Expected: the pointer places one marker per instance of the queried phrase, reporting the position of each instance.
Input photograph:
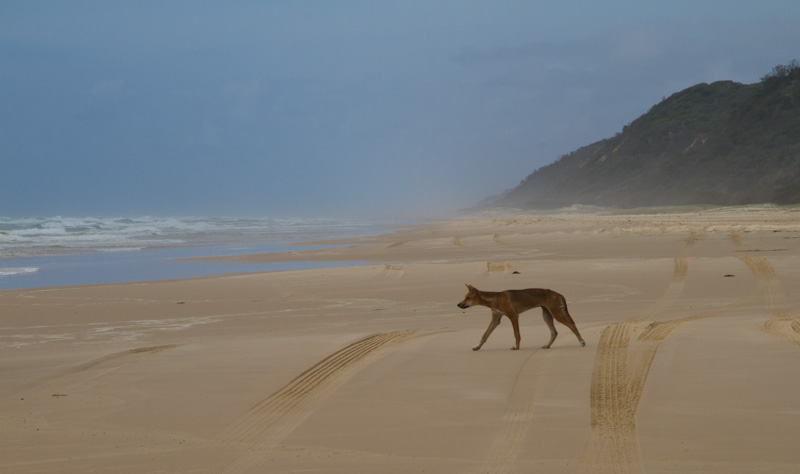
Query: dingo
(513, 302)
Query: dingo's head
(470, 299)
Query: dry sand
(692, 323)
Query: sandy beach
(691, 321)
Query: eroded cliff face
(722, 143)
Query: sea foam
(58, 251)
(10, 271)
(36, 236)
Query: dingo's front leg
(514, 317)
(496, 316)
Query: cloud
(347, 105)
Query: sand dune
(692, 325)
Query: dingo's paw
(583, 343)
(515, 348)
(476, 348)
(545, 347)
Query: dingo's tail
(562, 302)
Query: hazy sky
(350, 108)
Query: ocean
(59, 251)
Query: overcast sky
(341, 108)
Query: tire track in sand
(736, 240)
(783, 324)
(517, 418)
(622, 365)
(613, 447)
(497, 240)
(618, 382)
(76, 377)
(690, 242)
(270, 421)
(118, 355)
(493, 267)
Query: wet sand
(692, 324)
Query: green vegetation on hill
(723, 143)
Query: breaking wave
(35, 236)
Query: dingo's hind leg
(548, 319)
(563, 317)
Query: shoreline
(146, 265)
(690, 324)
(376, 248)
(25, 272)
(58, 251)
